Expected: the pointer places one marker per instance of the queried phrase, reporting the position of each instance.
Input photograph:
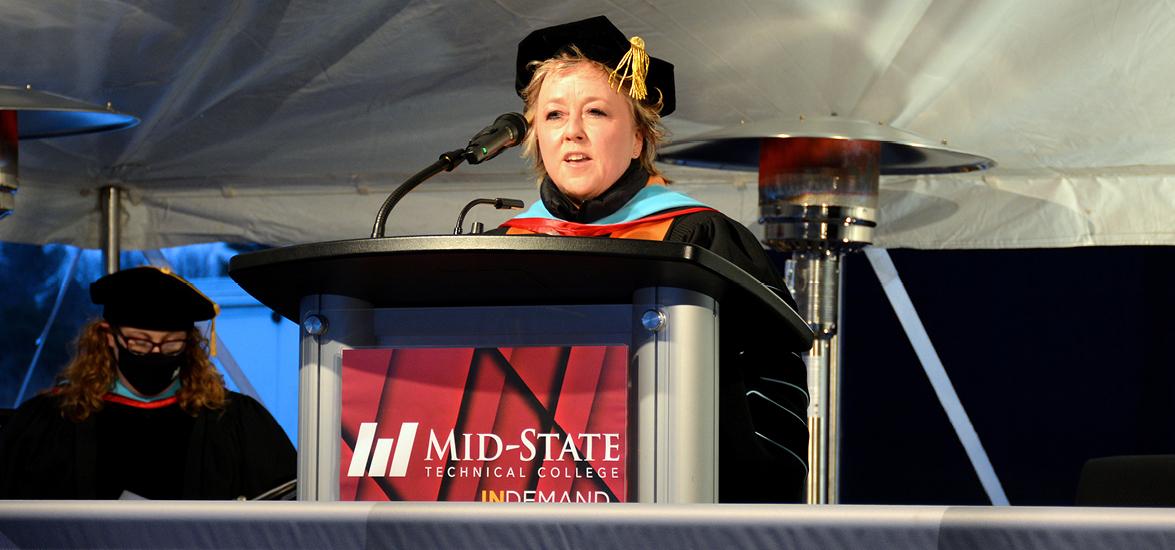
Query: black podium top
(493, 270)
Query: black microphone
(504, 133)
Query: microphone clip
(499, 203)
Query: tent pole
(44, 336)
(895, 291)
(109, 198)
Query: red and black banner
(521, 424)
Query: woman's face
(153, 357)
(586, 132)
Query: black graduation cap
(601, 41)
(150, 298)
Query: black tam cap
(150, 298)
(601, 41)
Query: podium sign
(519, 424)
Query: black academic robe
(158, 453)
(763, 398)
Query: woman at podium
(141, 412)
(593, 100)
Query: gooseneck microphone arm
(447, 163)
(506, 131)
(499, 203)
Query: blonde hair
(91, 373)
(647, 118)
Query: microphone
(499, 203)
(506, 132)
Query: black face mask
(149, 374)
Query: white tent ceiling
(284, 122)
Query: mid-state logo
(391, 455)
(383, 450)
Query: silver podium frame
(673, 381)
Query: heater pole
(816, 286)
(818, 198)
(9, 155)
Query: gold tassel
(634, 66)
(212, 335)
(215, 309)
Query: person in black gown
(593, 101)
(141, 412)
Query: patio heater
(818, 193)
(31, 114)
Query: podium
(606, 349)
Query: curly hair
(647, 118)
(91, 373)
